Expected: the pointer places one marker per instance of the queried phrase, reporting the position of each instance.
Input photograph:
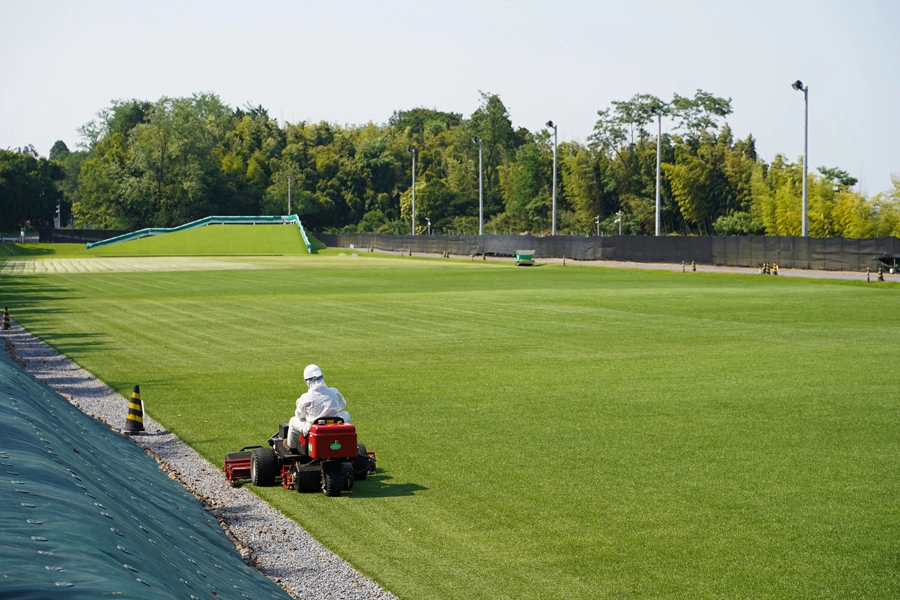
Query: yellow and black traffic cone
(134, 421)
(6, 317)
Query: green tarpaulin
(86, 514)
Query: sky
(354, 62)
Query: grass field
(547, 432)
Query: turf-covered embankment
(214, 240)
(86, 514)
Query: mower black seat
(282, 451)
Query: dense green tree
(525, 185)
(697, 115)
(415, 121)
(101, 203)
(588, 185)
(838, 177)
(739, 223)
(491, 123)
(29, 190)
(174, 160)
(247, 158)
(173, 170)
(71, 163)
(886, 207)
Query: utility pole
(413, 152)
(553, 222)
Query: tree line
(164, 163)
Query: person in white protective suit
(318, 401)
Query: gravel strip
(267, 540)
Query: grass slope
(213, 240)
(555, 432)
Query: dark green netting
(86, 514)
(834, 254)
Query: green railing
(260, 220)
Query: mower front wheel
(262, 467)
(306, 481)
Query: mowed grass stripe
(543, 433)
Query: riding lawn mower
(328, 458)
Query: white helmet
(312, 372)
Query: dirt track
(213, 263)
(610, 264)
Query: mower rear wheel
(360, 463)
(332, 479)
(262, 467)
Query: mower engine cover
(332, 441)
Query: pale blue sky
(352, 62)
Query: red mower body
(331, 441)
(237, 466)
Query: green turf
(213, 239)
(549, 432)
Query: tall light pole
(553, 224)
(798, 85)
(289, 194)
(478, 141)
(413, 152)
(656, 111)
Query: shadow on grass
(374, 486)
(16, 249)
(26, 296)
(76, 344)
(381, 485)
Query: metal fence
(832, 254)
